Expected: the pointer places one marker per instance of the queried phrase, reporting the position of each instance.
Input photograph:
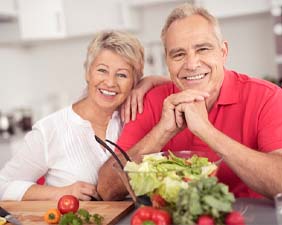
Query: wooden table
(32, 212)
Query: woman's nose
(110, 80)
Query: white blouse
(61, 147)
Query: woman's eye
(102, 70)
(122, 75)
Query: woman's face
(110, 80)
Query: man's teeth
(105, 92)
(196, 77)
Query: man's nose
(191, 62)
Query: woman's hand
(134, 102)
(82, 190)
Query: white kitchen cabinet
(41, 19)
(8, 10)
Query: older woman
(62, 146)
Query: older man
(207, 107)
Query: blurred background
(43, 47)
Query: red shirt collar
(229, 92)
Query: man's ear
(224, 50)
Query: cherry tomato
(68, 203)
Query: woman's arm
(134, 102)
(82, 190)
(18, 177)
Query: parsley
(82, 216)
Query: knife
(10, 218)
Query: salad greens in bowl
(165, 173)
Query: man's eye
(178, 56)
(122, 75)
(202, 49)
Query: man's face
(194, 55)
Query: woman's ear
(87, 76)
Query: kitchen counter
(255, 212)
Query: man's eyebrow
(175, 50)
(206, 44)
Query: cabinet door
(89, 16)
(41, 19)
(7, 10)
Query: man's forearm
(110, 186)
(153, 142)
(260, 171)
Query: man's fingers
(127, 109)
(140, 104)
(122, 112)
(187, 97)
(133, 107)
(179, 116)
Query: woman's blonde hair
(186, 10)
(121, 43)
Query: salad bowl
(165, 173)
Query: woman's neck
(99, 118)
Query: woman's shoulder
(54, 119)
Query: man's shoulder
(251, 83)
(162, 91)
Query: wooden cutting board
(32, 212)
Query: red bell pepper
(150, 215)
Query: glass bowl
(165, 173)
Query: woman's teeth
(105, 92)
(196, 77)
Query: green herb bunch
(203, 197)
(80, 217)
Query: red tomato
(68, 203)
(157, 201)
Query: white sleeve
(26, 166)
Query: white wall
(44, 77)
(251, 44)
(250, 38)
(49, 75)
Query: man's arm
(260, 171)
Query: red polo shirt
(248, 110)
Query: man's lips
(195, 77)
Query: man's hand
(172, 118)
(134, 102)
(196, 116)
